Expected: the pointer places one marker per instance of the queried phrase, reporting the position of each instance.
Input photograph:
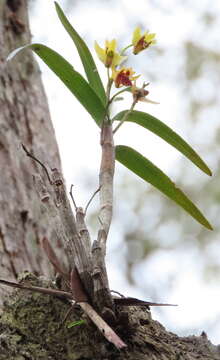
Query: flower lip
(139, 94)
(123, 77)
(142, 41)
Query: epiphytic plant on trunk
(86, 279)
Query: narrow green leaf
(75, 323)
(85, 55)
(142, 167)
(159, 128)
(71, 78)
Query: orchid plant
(88, 265)
(90, 92)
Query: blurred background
(156, 251)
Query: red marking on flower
(123, 79)
(141, 45)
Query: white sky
(78, 135)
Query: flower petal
(111, 45)
(148, 101)
(118, 59)
(100, 52)
(150, 37)
(136, 35)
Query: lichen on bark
(31, 328)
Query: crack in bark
(28, 127)
(7, 252)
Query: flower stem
(125, 116)
(119, 92)
(127, 47)
(108, 92)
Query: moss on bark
(30, 328)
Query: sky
(78, 136)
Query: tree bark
(30, 323)
(31, 328)
(24, 118)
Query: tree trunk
(30, 323)
(24, 118)
(31, 328)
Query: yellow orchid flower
(108, 55)
(139, 94)
(142, 41)
(123, 77)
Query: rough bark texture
(24, 118)
(30, 328)
(30, 323)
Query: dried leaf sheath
(83, 231)
(64, 225)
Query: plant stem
(125, 116)
(102, 296)
(118, 93)
(108, 92)
(127, 47)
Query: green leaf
(159, 128)
(142, 167)
(75, 323)
(71, 78)
(85, 55)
